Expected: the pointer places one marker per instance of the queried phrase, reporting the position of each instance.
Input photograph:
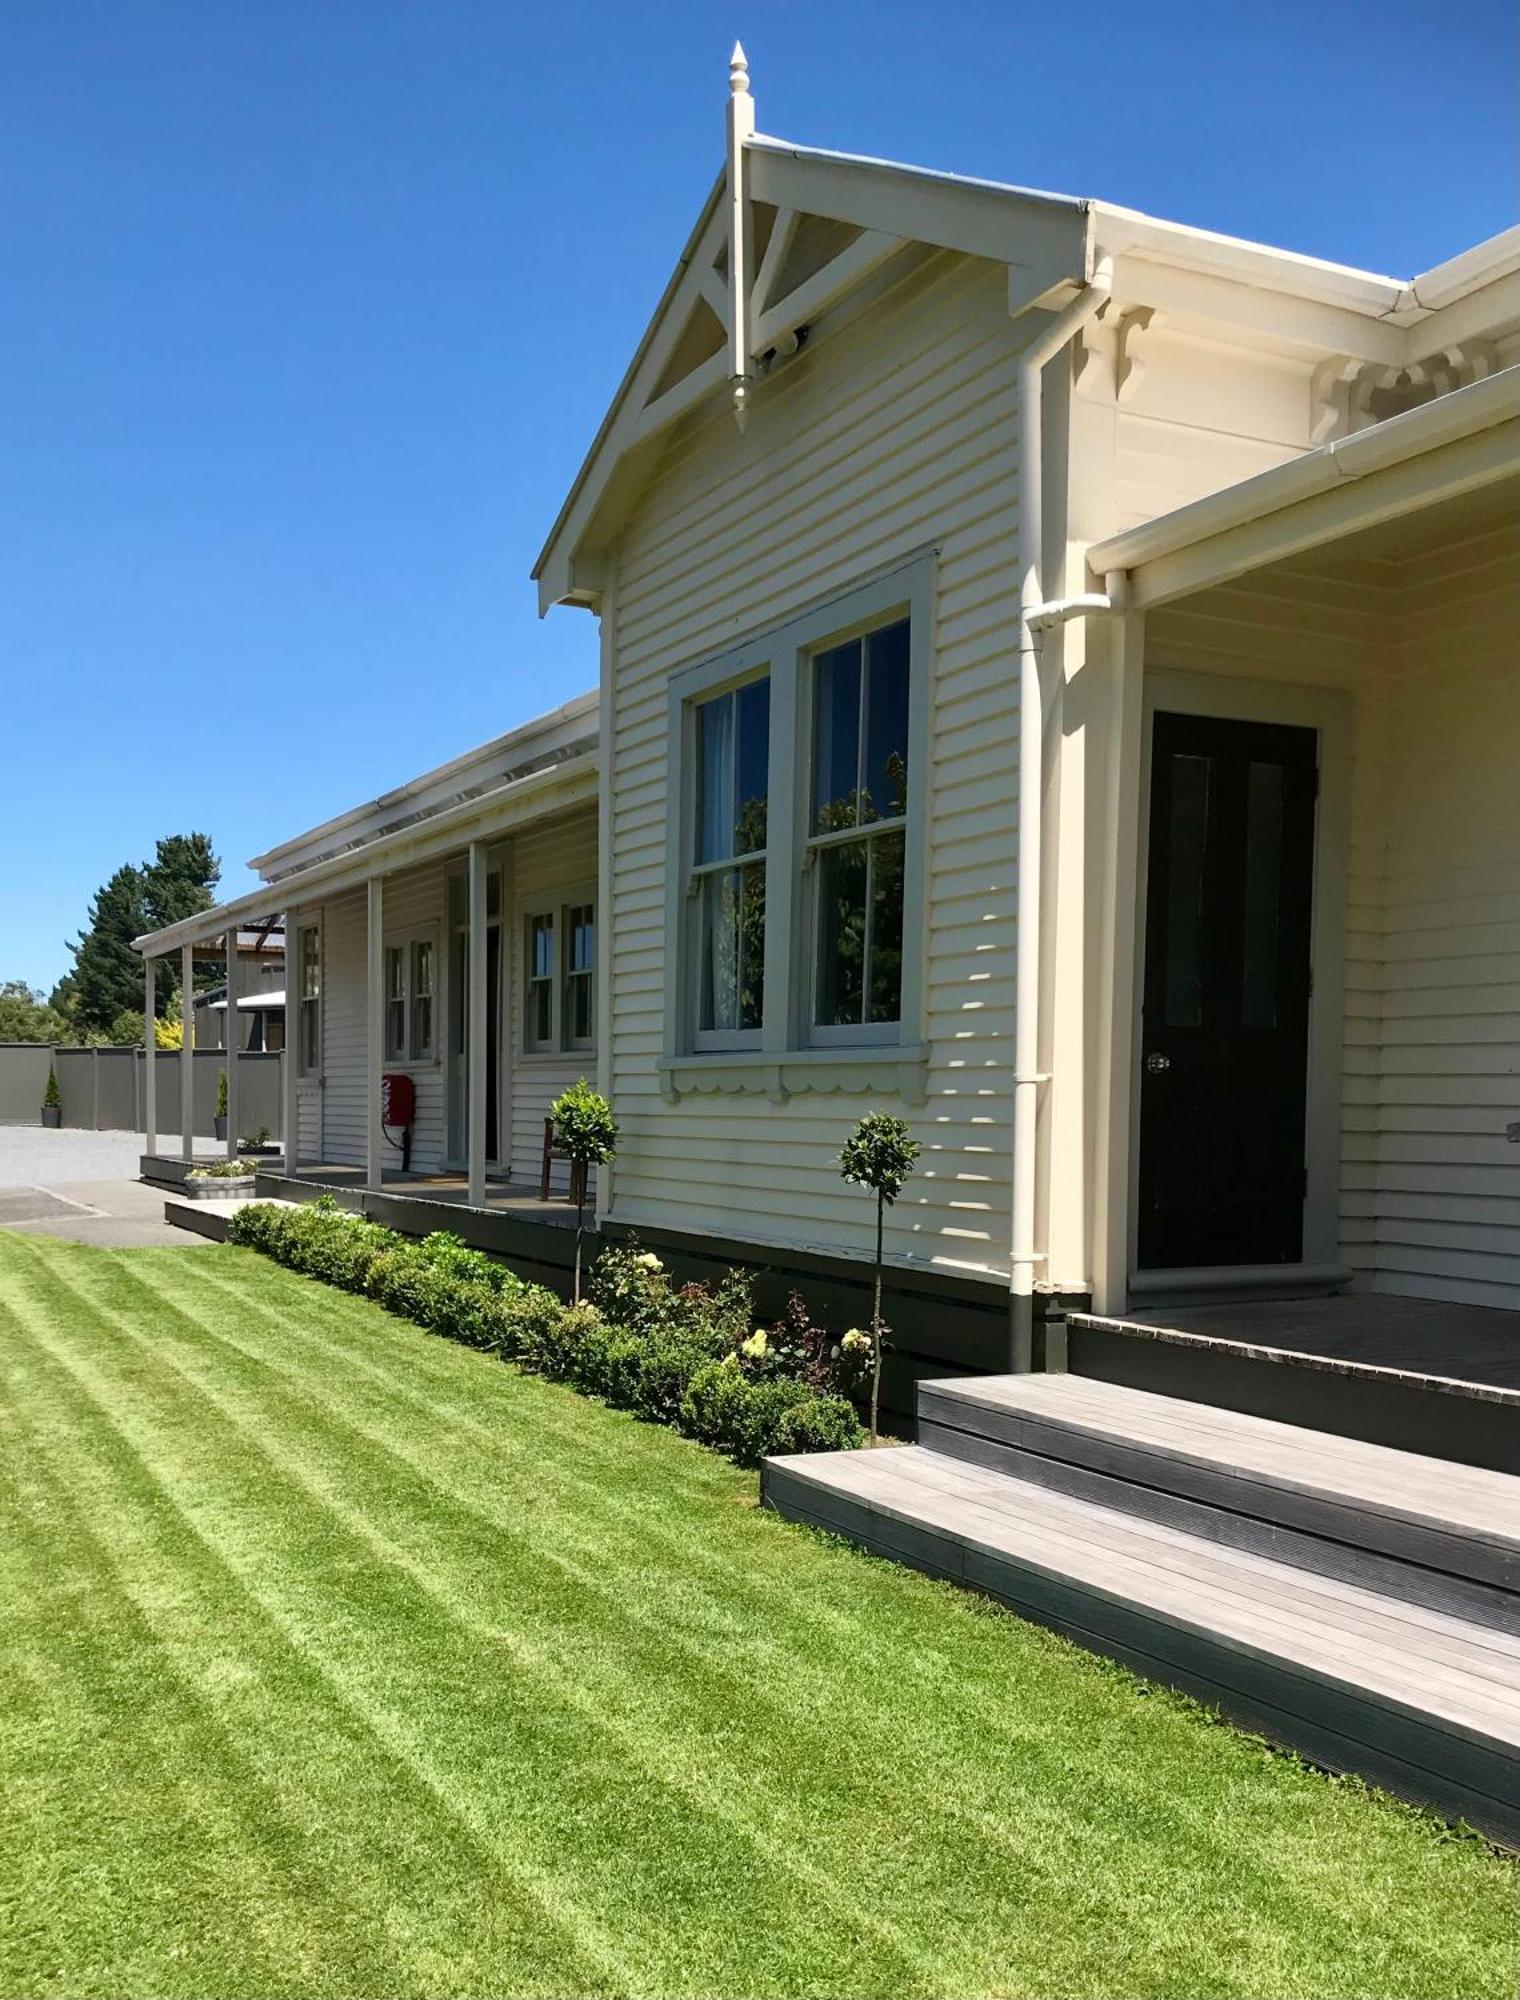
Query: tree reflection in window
(858, 825)
(733, 756)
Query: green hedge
(683, 1356)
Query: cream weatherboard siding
(547, 868)
(550, 864)
(414, 906)
(344, 1131)
(1427, 650)
(894, 436)
(1446, 1187)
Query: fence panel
(103, 1090)
(23, 1080)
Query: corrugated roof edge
(522, 738)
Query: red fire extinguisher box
(398, 1100)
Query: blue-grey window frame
(787, 652)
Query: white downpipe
(1026, 1026)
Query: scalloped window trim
(889, 1067)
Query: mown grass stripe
(454, 1533)
(1163, 1807)
(1113, 1915)
(105, 1435)
(1176, 1811)
(998, 1850)
(83, 1653)
(590, 1573)
(768, 1864)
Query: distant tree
(26, 1017)
(108, 974)
(179, 882)
(107, 978)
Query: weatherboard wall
(892, 437)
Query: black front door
(1224, 1048)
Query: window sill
(893, 1068)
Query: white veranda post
(187, 1049)
(150, 1055)
(233, 1039)
(476, 1051)
(374, 1015)
(290, 1059)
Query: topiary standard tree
(588, 1132)
(878, 1154)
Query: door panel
(1224, 1050)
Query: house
(260, 1005)
(1058, 680)
(443, 935)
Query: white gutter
(1447, 419)
(441, 786)
(1026, 1023)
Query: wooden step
(1420, 1701)
(208, 1216)
(1447, 1535)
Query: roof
(252, 1003)
(1459, 443)
(548, 765)
(567, 731)
(1315, 303)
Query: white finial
(738, 71)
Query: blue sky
(308, 313)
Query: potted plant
(220, 1180)
(586, 1129)
(52, 1102)
(879, 1155)
(219, 1116)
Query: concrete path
(83, 1185)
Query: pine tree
(180, 880)
(107, 975)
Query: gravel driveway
(31, 1157)
(98, 1197)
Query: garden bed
(690, 1356)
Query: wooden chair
(553, 1150)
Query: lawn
(340, 1660)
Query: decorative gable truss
(758, 276)
(786, 237)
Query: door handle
(1156, 1064)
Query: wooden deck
(1424, 1337)
(453, 1190)
(1357, 1603)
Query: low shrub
(682, 1356)
(632, 1289)
(450, 1253)
(822, 1423)
(752, 1419)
